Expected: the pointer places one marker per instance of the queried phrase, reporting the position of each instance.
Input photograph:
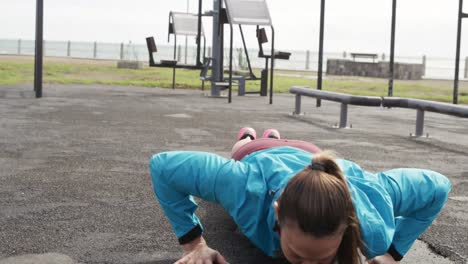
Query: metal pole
(419, 123)
(121, 51)
(392, 50)
(95, 50)
(246, 52)
(186, 38)
(424, 65)
(320, 62)
(466, 67)
(297, 110)
(174, 68)
(457, 58)
(217, 48)
(179, 54)
(19, 46)
(307, 60)
(68, 48)
(272, 63)
(199, 60)
(38, 61)
(343, 115)
(230, 63)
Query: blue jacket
(393, 207)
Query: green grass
(83, 72)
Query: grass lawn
(19, 70)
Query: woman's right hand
(384, 259)
(200, 253)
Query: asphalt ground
(75, 184)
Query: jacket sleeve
(177, 175)
(417, 196)
(373, 207)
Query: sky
(424, 27)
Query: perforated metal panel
(186, 24)
(248, 12)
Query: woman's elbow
(156, 165)
(442, 190)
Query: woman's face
(301, 248)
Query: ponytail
(319, 201)
(325, 162)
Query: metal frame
(217, 48)
(421, 106)
(321, 39)
(252, 75)
(172, 30)
(233, 21)
(38, 61)
(320, 62)
(200, 5)
(344, 99)
(266, 59)
(392, 50)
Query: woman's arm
(418, 196)
(177, 175)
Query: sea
(300, 60)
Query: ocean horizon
(436, 67)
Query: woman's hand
(384, 259)
(198, 252)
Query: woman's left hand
(384, 259)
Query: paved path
(74, 168)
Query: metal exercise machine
(180, 24)
(254, 12)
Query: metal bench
(391, 102)
(372, 56)
(424, 105)
(344, 99)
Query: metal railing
(301, 60)
(422, 106)
(391, 102)
(344, 99)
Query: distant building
(348, 67)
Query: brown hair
(319, 201)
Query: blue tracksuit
(393, 207)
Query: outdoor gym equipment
(217, 67)
(184, 24)
(254, 12)
(391, 102)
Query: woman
(292, 200)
